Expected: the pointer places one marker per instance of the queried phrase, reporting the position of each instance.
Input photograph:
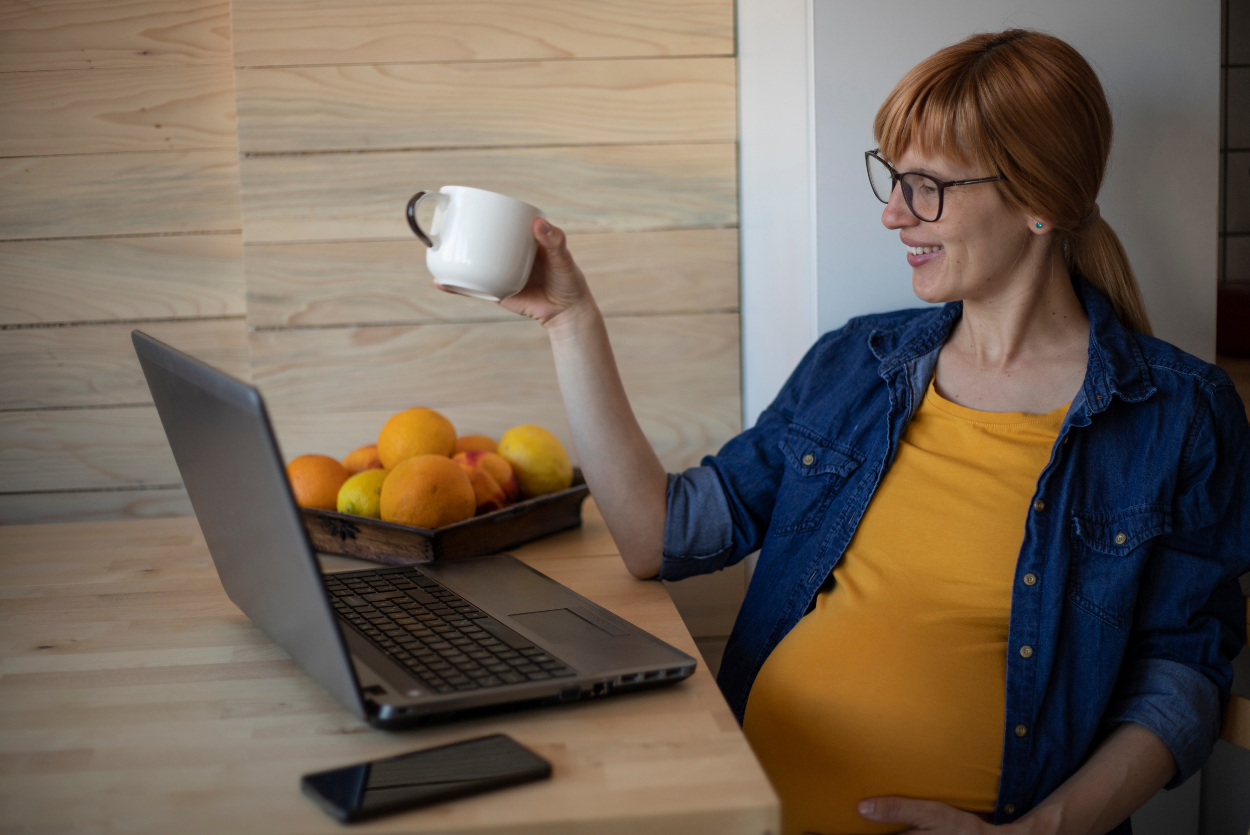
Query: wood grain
(95, 506)
(95, 365)
(135, 695)
(386, 281)
(486, 104)
(83, 448)
(286, 32)
(77, 112)
(121, 278)
(118, 194)
(452, 364)
(323, 197)
(91, 34)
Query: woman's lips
(920, 255)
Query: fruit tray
(490, 533)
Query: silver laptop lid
(224, 445)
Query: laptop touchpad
(561, 626)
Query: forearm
(625, 476)
(1130, 766)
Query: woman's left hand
(924, 816)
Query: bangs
(933, 109)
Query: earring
(1039, 224)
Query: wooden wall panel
(84, 449)
(118, 206)
(386, 282)
(485, 104)
(289, 32)
(118, 194)
(95, 365)
(356, 369)
(322, 197)
(91, 34)
(71, 112)
(93, 280)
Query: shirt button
(1026, 651)
(1010, 808)
(1021, 730)
(808, 459)
(1030, 579)
(1120, 538)
(1039, 505)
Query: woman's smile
(919, 254)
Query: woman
(998, 539)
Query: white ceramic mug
(480, 243)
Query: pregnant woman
(999, 539)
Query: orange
(495, 466)
(363, 458)
(474, 442)
(315, 481)
(428, 491)
(360, 495)
(538, 459)
(415, 432)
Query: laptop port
(630, 678)
(654, 674)
(568, 694)
(676, 671)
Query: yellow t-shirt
(895, 683)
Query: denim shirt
(1126, 582)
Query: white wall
(1159, 63)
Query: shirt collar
(1116, 365)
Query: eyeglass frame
(896, 176)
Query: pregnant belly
(860, 703)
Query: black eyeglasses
(922, 194)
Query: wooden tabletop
(135, 697)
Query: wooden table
(135, 697)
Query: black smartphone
(422, 778)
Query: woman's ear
(1038, 226)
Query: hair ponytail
(1095, 252)
(1028, 106)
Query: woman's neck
(1021, 347)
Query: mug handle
(420, 197)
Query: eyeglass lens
(921, 193)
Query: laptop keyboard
(437, 635)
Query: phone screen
(424, 777)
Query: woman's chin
(931, 289)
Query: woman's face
(972, 249)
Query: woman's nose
(896, 214)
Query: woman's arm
(1125, 771)
(628, 482)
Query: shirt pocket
(815, 470)
(1108, 552)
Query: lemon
(360, 494)
(538, 459)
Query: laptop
(397, 646)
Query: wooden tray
(373, 539)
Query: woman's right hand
(556, 289)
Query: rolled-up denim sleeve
(1181, 706)
(698, 534)
(720, 511)
(1189, 621)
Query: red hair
(1025, 105)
